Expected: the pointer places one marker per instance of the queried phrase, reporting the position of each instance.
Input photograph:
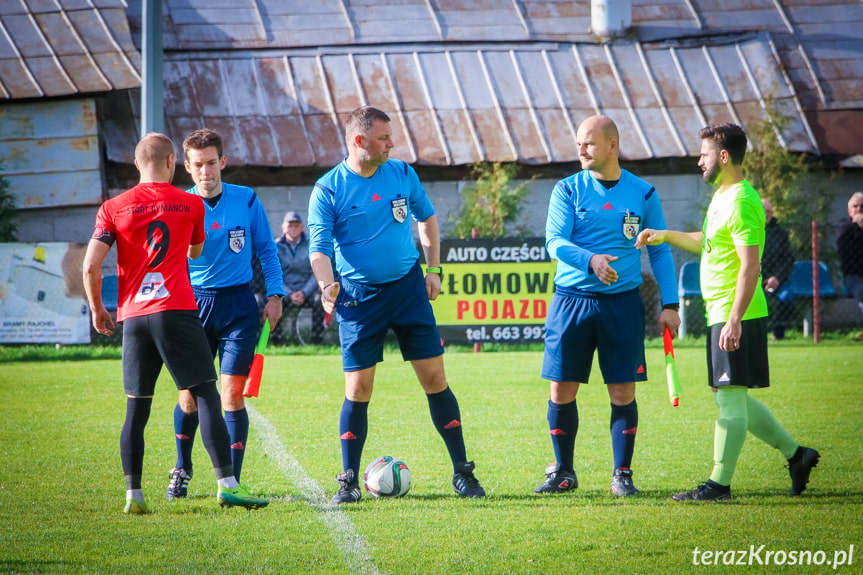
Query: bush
(490, 202)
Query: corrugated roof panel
(526, 136)
(688, 123)
(277, 85)
(540, 86)
(569, 75)
(24, 86)
(480, 25)
(601, 77)
(180, 89)
(697, 75)
(559, 137)
(407, 83)
(733, 73)
(82, 72)
(660, 136)
(504, 79)
(673, 14)
(493, 136)
(405, 146)
(258, 136)
(375, 81)
(60, 50)
(438, 80)
(662, 67)
(292, 141)
(376, 20)
(472, 79)
(557, 19)
(754, 55)
(211, 87)
(795, 134)
(747, 18)
(326, 139)
(63, 40)
(27, 38)
(45, 71)
(341, 83)
(522, 104)
(243, 88)
(750, 113)
(177, 128)
(311, 87)
(633, 75)
(457, 134)
(421, 126)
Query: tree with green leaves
(8, 212)
(490, 201)
(792, 182)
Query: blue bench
(800, 283)
(688, 286)
(801, 280)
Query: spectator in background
(776, 265)
(850, 245)
(301, 286)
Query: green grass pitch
(62, 489)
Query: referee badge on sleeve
(400, 209)
(631, 226)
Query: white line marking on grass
(342, 530)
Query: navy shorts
(366, 312)
(748, 365)
(173, 338)
(231, 322)
(580, 322)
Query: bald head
(155, 158)
(768, 209)
(855, 205)
(603, 125)
(598, 147)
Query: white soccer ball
(387, 477)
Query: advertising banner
(494, 290)
(42, 297)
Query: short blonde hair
(154, 148)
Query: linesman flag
(253, 382)
(674, 387)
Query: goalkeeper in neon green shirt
(731, 243)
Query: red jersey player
(156, 226)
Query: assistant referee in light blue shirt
(360, 213)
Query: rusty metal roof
(454, 105)
(819, 41)
(463, 80)
(62, 47)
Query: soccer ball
(387, 477)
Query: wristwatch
(438, 270)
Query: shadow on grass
(23, 566)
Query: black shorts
(174, 338)
(746, 367)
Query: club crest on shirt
(631, 226)
(237, 240)
(400, 209)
